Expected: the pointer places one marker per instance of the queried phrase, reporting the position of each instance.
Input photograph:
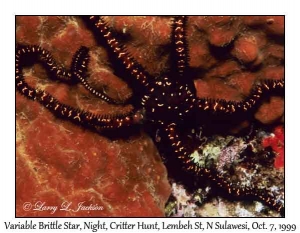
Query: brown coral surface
(59, 163)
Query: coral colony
(205, 102)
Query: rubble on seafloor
(250, 162)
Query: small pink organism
(276, 142)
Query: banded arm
(136, 70)
(61, 110)
(181, 57)
(81, 59)
(33, 51)
(231, 107)
(77, 72)
(190, 161)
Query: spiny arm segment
(61, 110)
(189, 160)
(136, 70)
(231, 107)
(180, 44)
(81, 60)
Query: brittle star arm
(56, 71)
(61, 110)
(79, 67)
(179, 42)
(222, 106)
(190, 163)
(136, 70)
(76, 73)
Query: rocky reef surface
(58, 162)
